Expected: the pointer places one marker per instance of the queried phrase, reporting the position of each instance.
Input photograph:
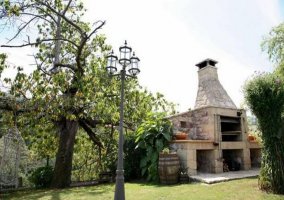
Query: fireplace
(234, 159)
(217, 130)
(204, 160)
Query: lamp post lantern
(125, 60)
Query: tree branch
(61, 15)
(68, 5)
(90, 133)
(39, 42)
(39, 66)
(95, 30)
(21, 28)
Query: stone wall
(202, 124)
(195, 123)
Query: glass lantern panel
(124, 56)
(125, 53)
(134, 64)
(111, 62)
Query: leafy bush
(153, 136)
(42, 177)
(132, 159)
(265, 97)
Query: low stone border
(84, 183)
(226, 176)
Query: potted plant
(166, 151)
(183, 176)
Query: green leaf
(159, 145)
(143, 162)
(141, 145)
(149, 150)
(154, 158)
(143, 171)
(167, 136)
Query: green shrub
(265, 97)
(42, 177)
(153, 136)
(132, 159)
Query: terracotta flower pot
(251, 138)
(181, 136)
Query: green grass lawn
(233, 190)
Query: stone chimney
(210, 91)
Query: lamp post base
(119, 185)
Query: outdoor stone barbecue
(216, 129)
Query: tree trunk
(63, 164)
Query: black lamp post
(125, 60)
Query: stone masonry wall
(194, 123)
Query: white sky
(171, 36)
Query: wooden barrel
(169, 168)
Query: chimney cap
(206, 62)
